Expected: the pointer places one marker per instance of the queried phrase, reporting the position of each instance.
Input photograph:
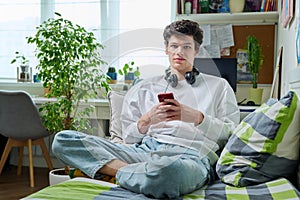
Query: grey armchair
(21, 123)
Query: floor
(15, 187)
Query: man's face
(181, 52)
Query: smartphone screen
(163, 96)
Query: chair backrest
(19, 117)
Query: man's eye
(187, 47)
(174, 46)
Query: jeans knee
(169, 180)
(61, 139)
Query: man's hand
(169, 110)
(183, 112)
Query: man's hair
(184, 27)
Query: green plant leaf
(70, 66)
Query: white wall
(287, 40)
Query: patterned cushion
(264, 146)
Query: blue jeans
(155, 169)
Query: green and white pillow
(264, 146)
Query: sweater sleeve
(137, 101)
(218, 128)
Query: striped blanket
(84, 188)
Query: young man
(174, 142)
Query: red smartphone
(163, 96)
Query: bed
(260, 160)
(84, 188)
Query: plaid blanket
(81, 188)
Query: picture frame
(287, 12)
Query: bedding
(85, 188)
(282, 114)
(264, 146)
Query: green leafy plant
(21, 58)
(255, 57)
(70, 67)
(111, 70)
(129, 67)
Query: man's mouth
(179, 59)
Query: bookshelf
(261, 24)
(243, 18)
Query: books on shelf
(210, 6)
(268, 5)
(196, 6)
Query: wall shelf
(243, 18)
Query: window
(17, 20)
(110, 20)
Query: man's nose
(180, 50)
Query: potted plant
(111, 72)
(70, 67)
(25, 75)
(130, 72)
(255, 61)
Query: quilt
(84, 188)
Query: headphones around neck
(190, 77)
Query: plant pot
(129, 78)
(57, 176)
(236, 5)
(255, 95)
(113, 77)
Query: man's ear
(196, 53)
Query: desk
(102, 110)
(99, 118)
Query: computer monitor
(221, 67)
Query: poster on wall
(287, 12)
(243, 73)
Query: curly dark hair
(185, 27)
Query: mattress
(85, 188)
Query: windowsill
(37, 89)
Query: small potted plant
(255, 61)
(25, 75)
(130, 72)
(112, 74)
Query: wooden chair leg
(42, 144)
(30, 163)
(20, 160)
(5, 153)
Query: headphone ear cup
(190, 77)
(173, 80)
(196, 72)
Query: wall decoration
(287, 12)
(243, 73)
